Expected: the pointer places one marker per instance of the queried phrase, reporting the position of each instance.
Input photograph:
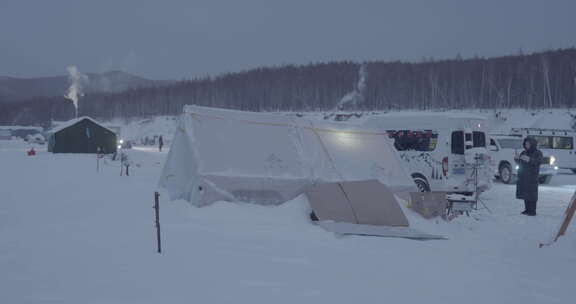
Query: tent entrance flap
(361, 208)
(359, 202)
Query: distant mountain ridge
(13, 89)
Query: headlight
(555, 167)
(552, 160)
(121, 141)
(517, 167)
(119, 146)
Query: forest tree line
(538, 80)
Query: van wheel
(544, 179)
(421, 183)
(506, 175)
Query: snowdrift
(271, 158)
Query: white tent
(271, 158)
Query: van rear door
(457, 161)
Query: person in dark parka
(160, 143)
(529, 168)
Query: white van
(441, 151)
(505, 149)
(557, 142)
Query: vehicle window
(457, 142)
(510, 143)
(414, 140)
(544, 142)
(563, 142)
(479, 139)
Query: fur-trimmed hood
(533, 143)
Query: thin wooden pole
(567, 219)
(157, 209)
(568, 215)
(98, 156)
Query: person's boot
(526, 208)
(531, 209)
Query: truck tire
(544, 179)
(506, 175)
(421, 183)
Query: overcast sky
(165, 39)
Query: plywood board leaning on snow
(429, 204)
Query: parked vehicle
(5, 134)
(35, 139)
(442, 152)
(124, 144)
(505, 149)
(557, 142)
(20, 131)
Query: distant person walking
(529, 168)
(160, 143)
(124, 163)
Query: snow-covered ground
(69, 234)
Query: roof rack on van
(541, 130)
(509, 135)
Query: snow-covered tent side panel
(179, 175)
(247, 156)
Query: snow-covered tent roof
(72, 122)
(271, 158)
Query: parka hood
(532, 141)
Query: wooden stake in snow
(157, 209)
(99, 155)
(569, 214)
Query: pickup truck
(504, 149)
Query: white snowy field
(69, 234)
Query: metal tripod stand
(477, 199)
